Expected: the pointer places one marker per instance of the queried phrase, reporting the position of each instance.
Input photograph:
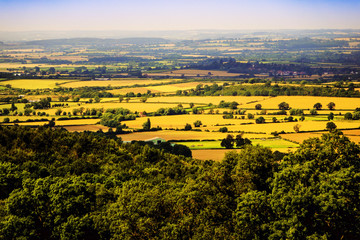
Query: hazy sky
(63, 15)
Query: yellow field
(34, 83)
(155, 89)
(113, 83)
(307, 102)
(123, 91)
(211, 154)
(208, 99)
(182, 135)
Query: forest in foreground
(60, 185)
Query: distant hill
(97, 41)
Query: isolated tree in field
(191, 105)
(331, 116)
(274, 119)
(250, 116)
(187, 127)
(143, 99)
(331, 105)
(260, 120)
(228, 142)
(297, 128)
(197, 123)
(147, 125)
(121, 98)
(258, 106)
(317, 106)
(284, 106)
(330, 126)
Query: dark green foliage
(260, 120)
(60, 185)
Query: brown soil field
(82, 128)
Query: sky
(140, 15)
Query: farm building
(156, 140)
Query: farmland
(227, 86)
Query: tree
(284, 106)
(121, 98)
(13, 107)
(240, 141)
(143, 99)
(313, 112)
(297, 128)
(147, 125)
(223, 129)
(348, 116)
(97, 99)
(197, 123)
(260, 120)
(331, 116)
(250, 116)
(258, 106)
(317, 106)
(330, 126)
(191, 105)
(228, 142)
(321, 202)
(331, 105)
(233, 105)
(187, 127)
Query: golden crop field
(34, 83)
(168, 88)
(114, 83)
(211, 154)
(242, 100)
(123, 91)
(82, 128)
(307, 102)
(182, 135)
